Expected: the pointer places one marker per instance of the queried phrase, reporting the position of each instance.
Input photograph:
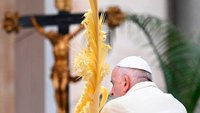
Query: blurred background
(166, 33)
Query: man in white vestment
(134, 92)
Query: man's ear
(126, 83)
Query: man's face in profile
(117, 82)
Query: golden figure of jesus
(60, 71)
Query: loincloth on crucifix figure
(60, 74)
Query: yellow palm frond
(90, 65)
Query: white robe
(144, 97)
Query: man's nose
(111, 92)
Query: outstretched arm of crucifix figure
(38, 26)
(71, 35)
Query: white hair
(136, 74)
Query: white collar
(141, 85)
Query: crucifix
(60, 74)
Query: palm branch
(178, 56)
(90, 63)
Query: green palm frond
(179, 58)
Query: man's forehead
(115, 73)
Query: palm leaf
(90, 64)
(179, 58)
